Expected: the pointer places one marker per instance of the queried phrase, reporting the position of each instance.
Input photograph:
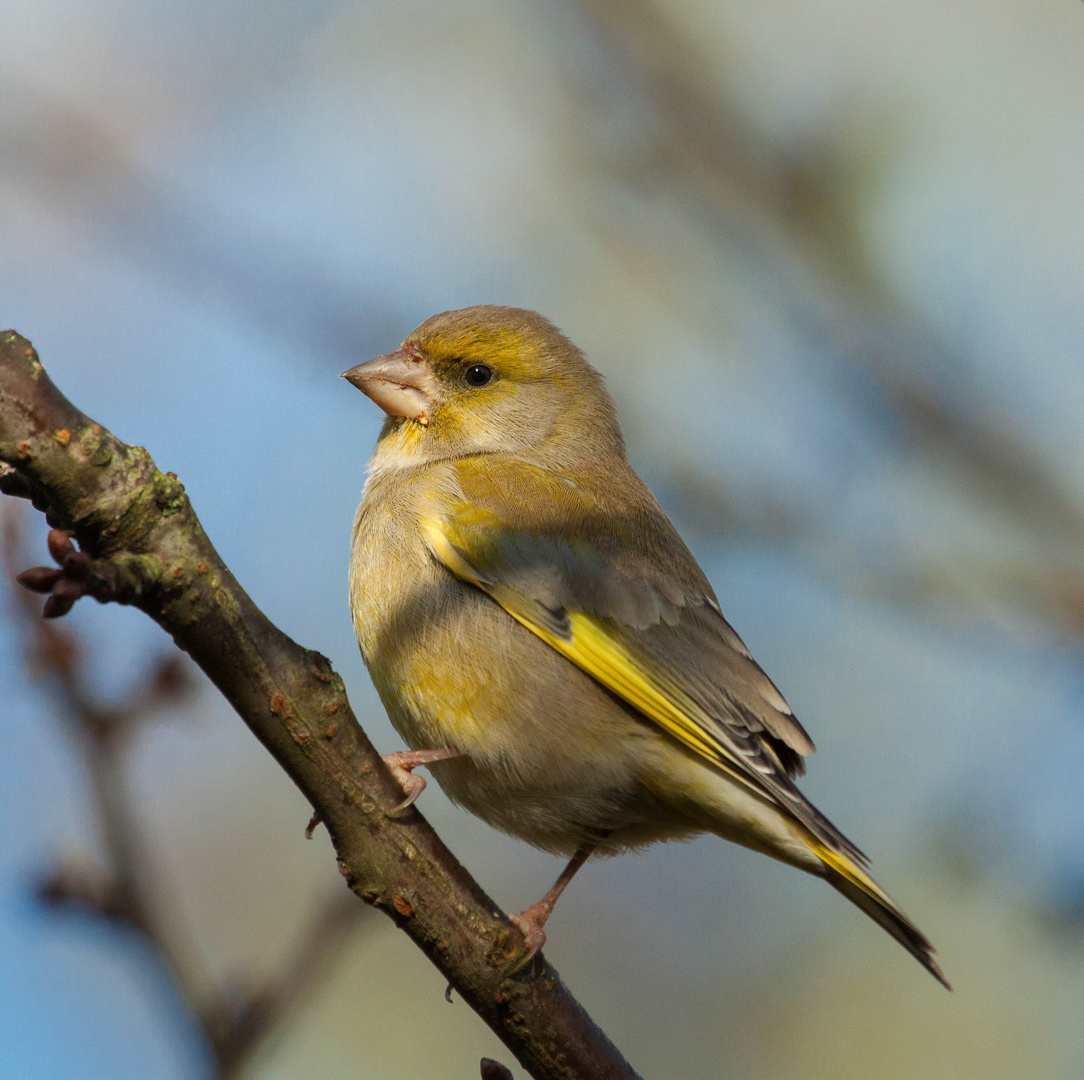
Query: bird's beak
(401, 383)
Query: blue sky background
(206, 213)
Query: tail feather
(858, 887)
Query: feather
(660, 645)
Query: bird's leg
(531, 921)
(402, 762)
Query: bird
(542, 638)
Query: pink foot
(402, 762)
(530, 923)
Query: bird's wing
(602, 602)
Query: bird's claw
(411, 784)
(530, 926)
(401, 763)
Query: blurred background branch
(127, 889)
(795, 217)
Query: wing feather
(667, 652)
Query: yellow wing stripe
(850, 870)
(592, 648)
(596, 650)
(607, 660)
(448, 553)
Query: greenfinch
(543, 639)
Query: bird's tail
(845, 875)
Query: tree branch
(147, 548)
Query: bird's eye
(478, 375)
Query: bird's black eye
(478, 375)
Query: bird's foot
(531, 921)
(530, 924)
(402, 762)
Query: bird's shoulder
(606, 515)
(610, 554)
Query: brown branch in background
(122, 890)
(239, 1031)
(794, 216)
(147, 548)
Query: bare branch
(148, 549)
(787, 215)
(270, 1005)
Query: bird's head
(490, 380)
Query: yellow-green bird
(541, 636)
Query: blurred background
(828, 257)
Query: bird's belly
(548, 754)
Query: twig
(783, 215)
(147, 548)
(122, 891)
(266, 1008)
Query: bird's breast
(548, 752)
